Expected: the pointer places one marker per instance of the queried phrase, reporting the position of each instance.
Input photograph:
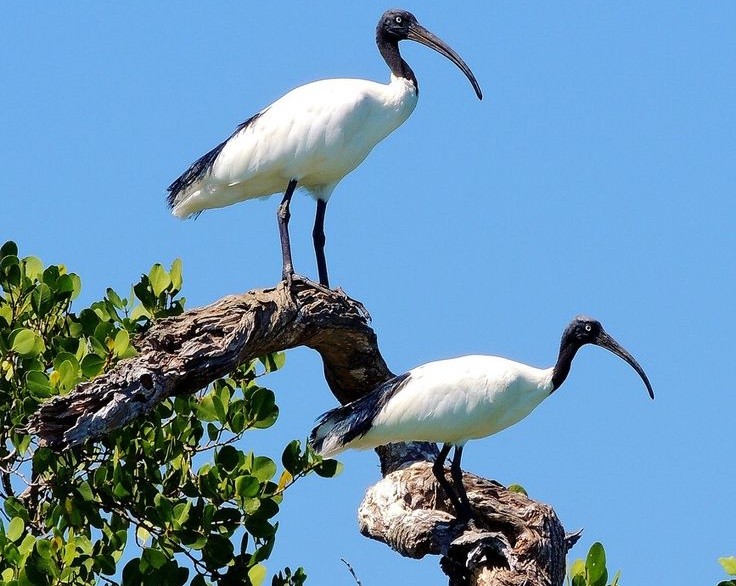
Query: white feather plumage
(316, 134)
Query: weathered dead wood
(513, 541)
(182, 354)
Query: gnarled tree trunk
(513, 541)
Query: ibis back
(316, 134)
(448, 401)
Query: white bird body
(315, 134)
(311, 138)
(453, 401)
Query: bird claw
(291, 279)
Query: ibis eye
(398, 20)
(588, 327)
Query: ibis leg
(462, 513)
(457, 478)
(283, 215)
(318, 236)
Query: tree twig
(352, 571)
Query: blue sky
(597, 176)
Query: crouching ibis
(453, 401)
(311, 138)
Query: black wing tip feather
(354, 420)
(203, 165)
(196, 171)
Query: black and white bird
(457, 400)
(311, 138)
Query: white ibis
(453, 401)
(311, 138)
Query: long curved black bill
(421, 35)
(605, 341)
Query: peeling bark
(513, 540)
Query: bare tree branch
(513, 541)
(183, 354)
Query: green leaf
(517, 488)
(43, 548)
(259, 528)
(76, 285)
(218, 551)
(247, 486)
(152, 558)
(181, 512)
(142, 535)
(26, 546)
(68, 374)
(8, 261)
(8, 249)
(577, 568)
(120, 491)
(263, 408)
(176, 274)
(228, 457)
(27, 342)
(92, 365)
(206, 408)
(15, 529)
(257, 574)
(132, 572)
(106, 564)
(220, 408)
(291, 458)
(159, 279)
(272, 362)
(114, 298)
(10, 269)
(121, 345)
(263, 468)
(65, 284)
(729, 565)
(14, 508)
(328, 468)
(579, 581)
(595, 565)
(38, 384)
(41, 300)
(85, 491)
(33, 267)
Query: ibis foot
(457, 495)
(290, 280)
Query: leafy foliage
(174, 494)
(729, 566)
(592, 571)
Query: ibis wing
(340, 426)
(180, 187)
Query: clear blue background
(597, 176)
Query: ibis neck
(564, 361)
(389, 49)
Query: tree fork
(514, 540)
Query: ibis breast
(316, 134)
(453, 401)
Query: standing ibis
(453, 401)
(311, 138)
